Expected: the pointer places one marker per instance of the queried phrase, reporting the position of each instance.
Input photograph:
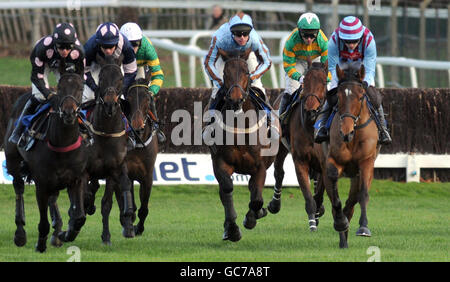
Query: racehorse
(55, 162)
(108, 152)
(243, 158)
(305, 154)
(352, 151)
(141, 160)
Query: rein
(246, 91)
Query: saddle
(36, 127)
(296, 97)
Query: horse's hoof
(20, 239)
(363, 231)
(261, 213)
(55, 242)
(138, 230)
(232, 232)
(91, 210)
(128, 232)
(250, 220)
(274, 206)
(106, 243)
(41, 245)
(321, 211)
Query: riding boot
(321, 132)
(28, 109)
(159, 134)
(385, 138)
(284, 103)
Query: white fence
(192, 50)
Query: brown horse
(55, 162)
(305, 155)
(229, 155)
(352, 151)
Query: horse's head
(139, 100)
(69, 92)
(236, 79)
(110, 84)
(314, 88)
(350, 98)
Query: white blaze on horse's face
(348, 92)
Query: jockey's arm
(90, 53)
(209, 63)
(370, 61)
(290, 60)
(152, 61)
(263, 54)
(37, 59)
(333, 57)
(129, 67)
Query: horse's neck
(60, 134)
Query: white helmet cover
(132, 31)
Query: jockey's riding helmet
(308, 23)
(351, 28)
(132, 31)
(241, 22)
(64, 33)
(107, 34)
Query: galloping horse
(242, 158)
(107, 155)
(305, 155)
(352, 150)
(141, 160)
(55, 162)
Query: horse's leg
(89, 204)
(256, 210)
(106, 209)
(56, 220)
(352, 198)
(76, 210)
(223, 173)
(366, 176)
(20, 236)
(44, 225)
(144, 195)
(340, 221)
(275, 204)
(319, 188)
(302, 171)
(128, 203)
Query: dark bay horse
(305, 154)
(55, 162)
(107, 154)
(229, 155)
(141, 160)
(352, 151)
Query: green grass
(409, 222)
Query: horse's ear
(340, 73)
(148, 76)
(119, 60)
(100, 60)
(362, 72)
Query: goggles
(240, 33)
(64, 46)
(136, 43)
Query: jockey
(147, 61)
(107, 41)
(49, 51)
(351, 42)
(236, 35)
(307, 40)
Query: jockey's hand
(301, 79)
(365, 85)
(52, 94)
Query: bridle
(138, 103)
(245, 92)
(361, 99)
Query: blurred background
(412, 36)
